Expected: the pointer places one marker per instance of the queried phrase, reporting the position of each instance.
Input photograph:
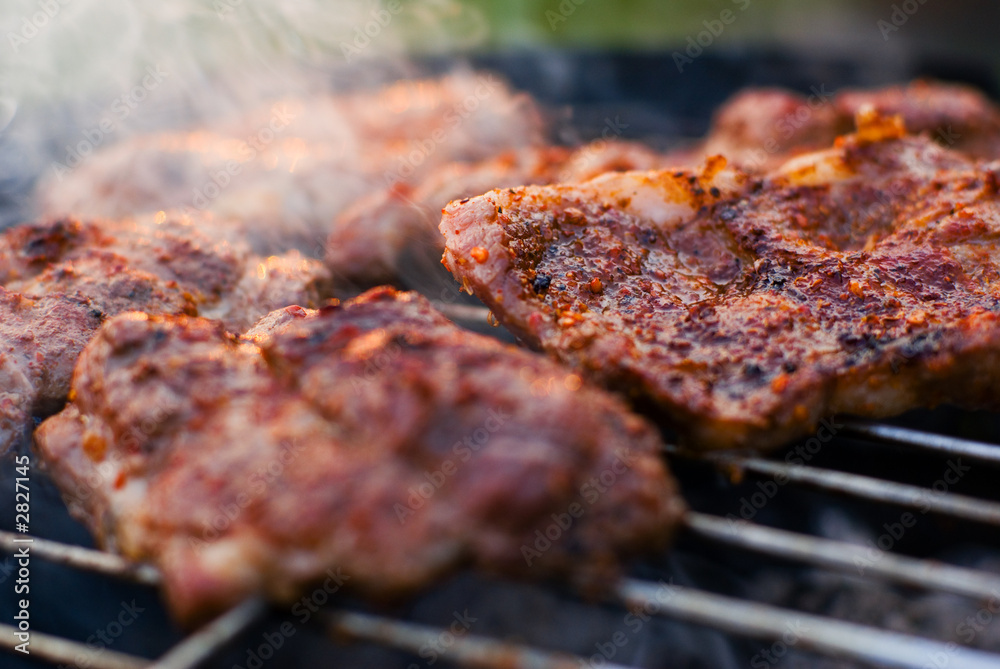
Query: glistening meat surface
(862, 279)
(374, 438)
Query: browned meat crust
(760, 128)
(863, 279)
(953, 115)
(64, 277)
(375, 440)
(373, 240)
(40, 340)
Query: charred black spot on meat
(541, 283)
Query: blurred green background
(952, 29)
(85, 46)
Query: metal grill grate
(826, 636)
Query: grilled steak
(374, 440)
(62, 278)
(393, 233)
(279, 175)
(758, 129)
(862, 279)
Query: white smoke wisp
(107, 69)
(54, 50)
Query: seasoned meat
(63, 277)
(393, 233)
(862, 279)
(758, 129)
(279, 175)
(40, 340)
(953, 115)
(374, 441)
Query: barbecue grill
(867, 544)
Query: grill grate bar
(466, 651)
(843, 556)
(211, 638)
(468, 313)
(823, 635)
(83, 558)
(867, 487)
(976, 450)
(829, 637)
(61, 651)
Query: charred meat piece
(279, 175)
(863, 279)
(62, 278)
(760, 128)
(374, 440)
(393, 235)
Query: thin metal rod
(207, 641)
(463, 649)
(78, 557)
(975, 450)
(462, 312)
(866, 487)
(57, 650)
(807, 632)
(864, 560)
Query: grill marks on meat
(351, 409)
(862, 279)
(62, 278)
